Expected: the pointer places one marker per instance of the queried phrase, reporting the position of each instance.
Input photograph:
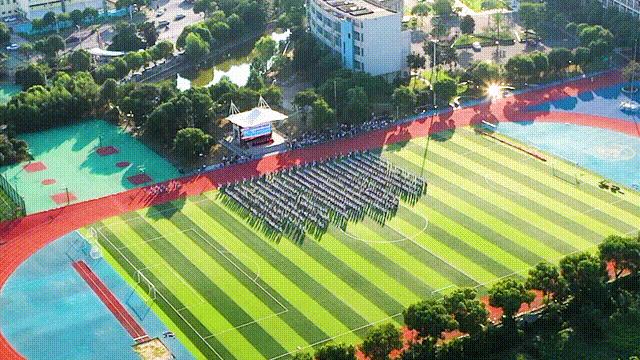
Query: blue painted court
(48, 312)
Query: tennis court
(82, 162)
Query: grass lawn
(490, 212)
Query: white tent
(106, 53)
(256, 117)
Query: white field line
(336, 336)
(164, 298)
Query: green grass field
(490, 212)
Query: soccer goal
(94, 251)
(570, 178)
(145, 284)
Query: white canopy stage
(254, 127)
(106, 53)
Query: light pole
(434, 71)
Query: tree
(430, 318)
(443, 7)
(469, 312)
(5, 34)
(336, 352)
(546, 278)
(593, 33)
(582, 56)
(380, 341)
(265, 48)
(357, 105)
(50, 46)
(49, 19)
(302, 356)
(149, 33)
(560, 58)
(31, 75)
(540, 61)
(446, 89)
(404, 99)
(195, 48)
(323, 116)
(134, 60)
(255, 81)
(622, 253)
(121, 67)
(509, 295)
(571, 28)
(586, 275)
(126, 38)
(76, 17)
(108, 91)
(205, 7)
(520, 67)
(485, 72)
(305, 98)
(190, 142)
(531, 14)
(80, 60)
(161, 50)
(467, 24)
(90, 14)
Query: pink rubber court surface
(48, 181)
(63, 198)
(140, 179)
(107, 150)
(35, 167)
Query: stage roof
(107, 53)
(256, 117)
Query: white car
(13, 47)
(10, 19)
(160, 12)
(476, 46)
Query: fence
(20, 208)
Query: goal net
(142, 305)
(570, 177)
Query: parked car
(160, 12)
(10, 19)
(13, 47)
(163, 23)
(180, 17)
(476, 46)
(72, 39)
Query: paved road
(171, 9)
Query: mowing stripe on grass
(491, 244)
(509, 210)
(433, 277)
(300, 298)
(171, 301)
(293, 317)
(330, 302)
(513, 189)
(213, 294)
(593, 193)
(194, 301)
(525, 245)
(363, 276)
(509, 199)
(381, 261)
(514, 172)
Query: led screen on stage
(255, 132)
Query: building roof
(256, 117)
(100, 52)
(355, 8)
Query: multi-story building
(367, 35)
(33, 9)
(630, 6)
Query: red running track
(25, 236)
(113, 304)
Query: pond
(236, 66)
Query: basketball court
(69, 158)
